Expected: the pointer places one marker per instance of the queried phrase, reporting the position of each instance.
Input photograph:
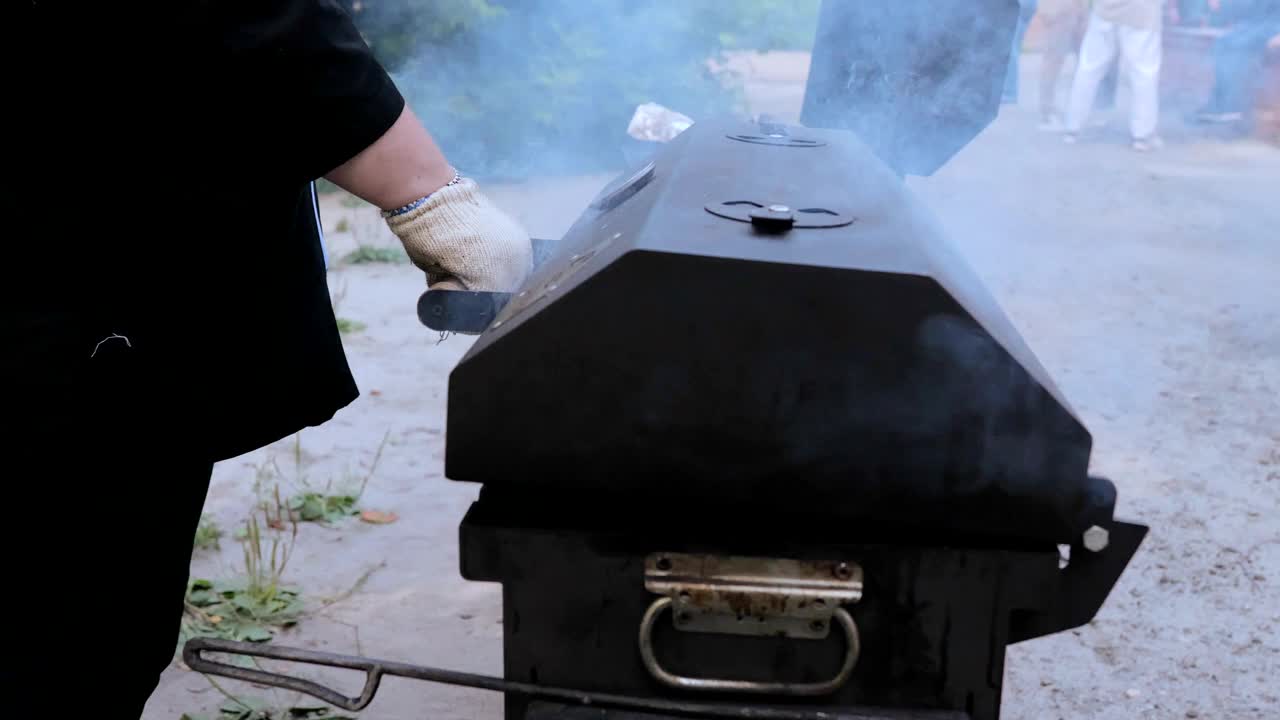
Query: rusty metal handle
(192, 656)
(853, 649)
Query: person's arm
(398, 168)
(447, 226)
(331, 110)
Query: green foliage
(515, 87)
(253, 606)
(395, 28)
(208, 534)
(368, 254)
(347, 326)
(313, 501)
(319, 507)
(329, 504)
(762, 25)
(238, 708)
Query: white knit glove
(463, 241)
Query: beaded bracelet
(457, 178)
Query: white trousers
(1140, 54)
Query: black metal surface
(470, 312)
(807, 217)
(375, 670)
(1085, 585)
(934, 619)
(916, 79)
(460, 311)
(664, 349)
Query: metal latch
(752, 596)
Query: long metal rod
(375, 670)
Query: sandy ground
(1148, 286)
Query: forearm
(457, 236)
(403, 165)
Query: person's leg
(1238, 57)
(1224, 97)
(1027, 10)
(1109, 88)
(106, 491)
(174, 488)
(1097, 52)
(1142, 52)
(1059, 33)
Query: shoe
(1070, 138)
(1148, 144)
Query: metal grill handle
(852, 643)
(375, 670)
(192, 656)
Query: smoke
(915, 80)
(515, 88)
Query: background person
(1063, 23)
(1130, 31)
(1238, 58)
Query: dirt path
(1146, 285)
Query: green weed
(255, 605)
(329, 504)
(347, 326)
(208, 534)
(369, 254)
(254, 709)
(318, 507)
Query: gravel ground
(1145, 283)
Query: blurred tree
(396, 28)
(514, 87)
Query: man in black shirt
(166, 305)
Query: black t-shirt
(161, 187)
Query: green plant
(237, 708)
(253, 606)
(310, 501)
(208, 534)
(330, 503)
(318, 507)
(342, 226)
(367, 254)
(347, 326)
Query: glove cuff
(458, 233)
